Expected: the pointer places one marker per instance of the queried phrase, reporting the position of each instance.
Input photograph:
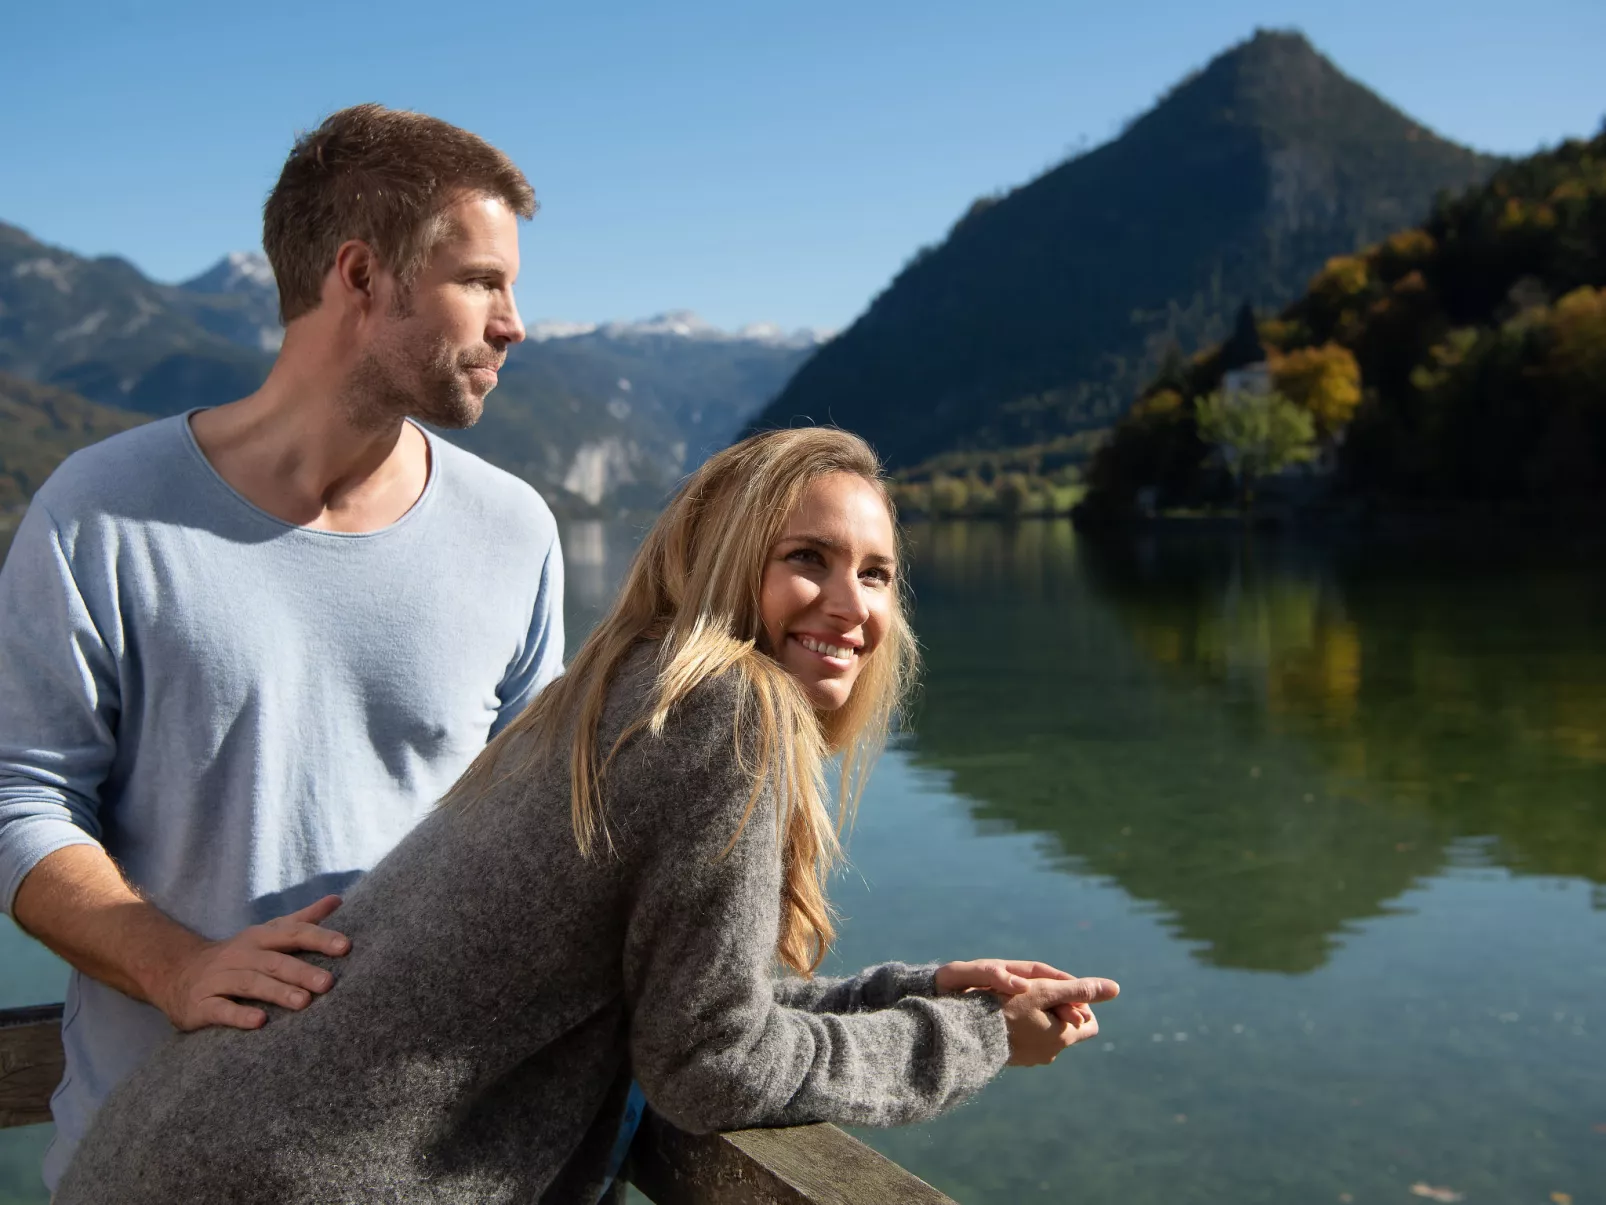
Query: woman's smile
(838, 653)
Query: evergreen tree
(1244, 347)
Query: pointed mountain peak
(1277, 84)
(236, 272)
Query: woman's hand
(1007, 977)
(1003, 976)
(1038, 1018)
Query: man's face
(437, 347)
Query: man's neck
(292, 450)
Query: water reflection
(596, 554)
(1270, 744)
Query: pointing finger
(1052, 993)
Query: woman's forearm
(875, 987)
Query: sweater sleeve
(711, 1044)
(540, 657)
(59, 704)
(876, 987)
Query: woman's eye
(807, 555)
(880, 577)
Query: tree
(1256, 434)
(1244, 347)
(1326, 381)
(950, 496)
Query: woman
(604, 895)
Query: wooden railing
(804, 1165)
(30, 1063)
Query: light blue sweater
(247, 714)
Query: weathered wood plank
(30, 1063)
(800, 1165)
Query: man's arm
(60, 705)
(540, 659)
(76, 902)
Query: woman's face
(827, 595)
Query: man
(245, 649)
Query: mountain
(40, 426)
(1045, 309)
(237, 298)
(598, 417)
(611, 416)
(99, 328)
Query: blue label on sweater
(635, 1105)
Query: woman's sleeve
(876, 987)
(711, 1045)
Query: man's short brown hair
(383, 176)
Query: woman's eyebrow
(827, 544)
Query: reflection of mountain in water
(1270, 751)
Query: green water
(1335, 819)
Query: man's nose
(506, 326)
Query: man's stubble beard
(377, 392)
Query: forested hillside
(1461, 360)
(40, 426)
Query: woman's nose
(845, 600)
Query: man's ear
(354, 274)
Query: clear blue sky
(751, 161)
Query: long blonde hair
(694, 585)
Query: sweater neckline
(420, 504)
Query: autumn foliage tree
(1323, 381)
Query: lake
(1334, 818)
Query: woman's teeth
(826, 650)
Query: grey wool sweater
(502, 991)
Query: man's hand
(76, 902)
(255, 964)
(1037, 1019)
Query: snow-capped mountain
(236, 298)
(236, 272)
(679, 324)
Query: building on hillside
(1253, 379)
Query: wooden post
(30, 1063)
(803, 1165)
